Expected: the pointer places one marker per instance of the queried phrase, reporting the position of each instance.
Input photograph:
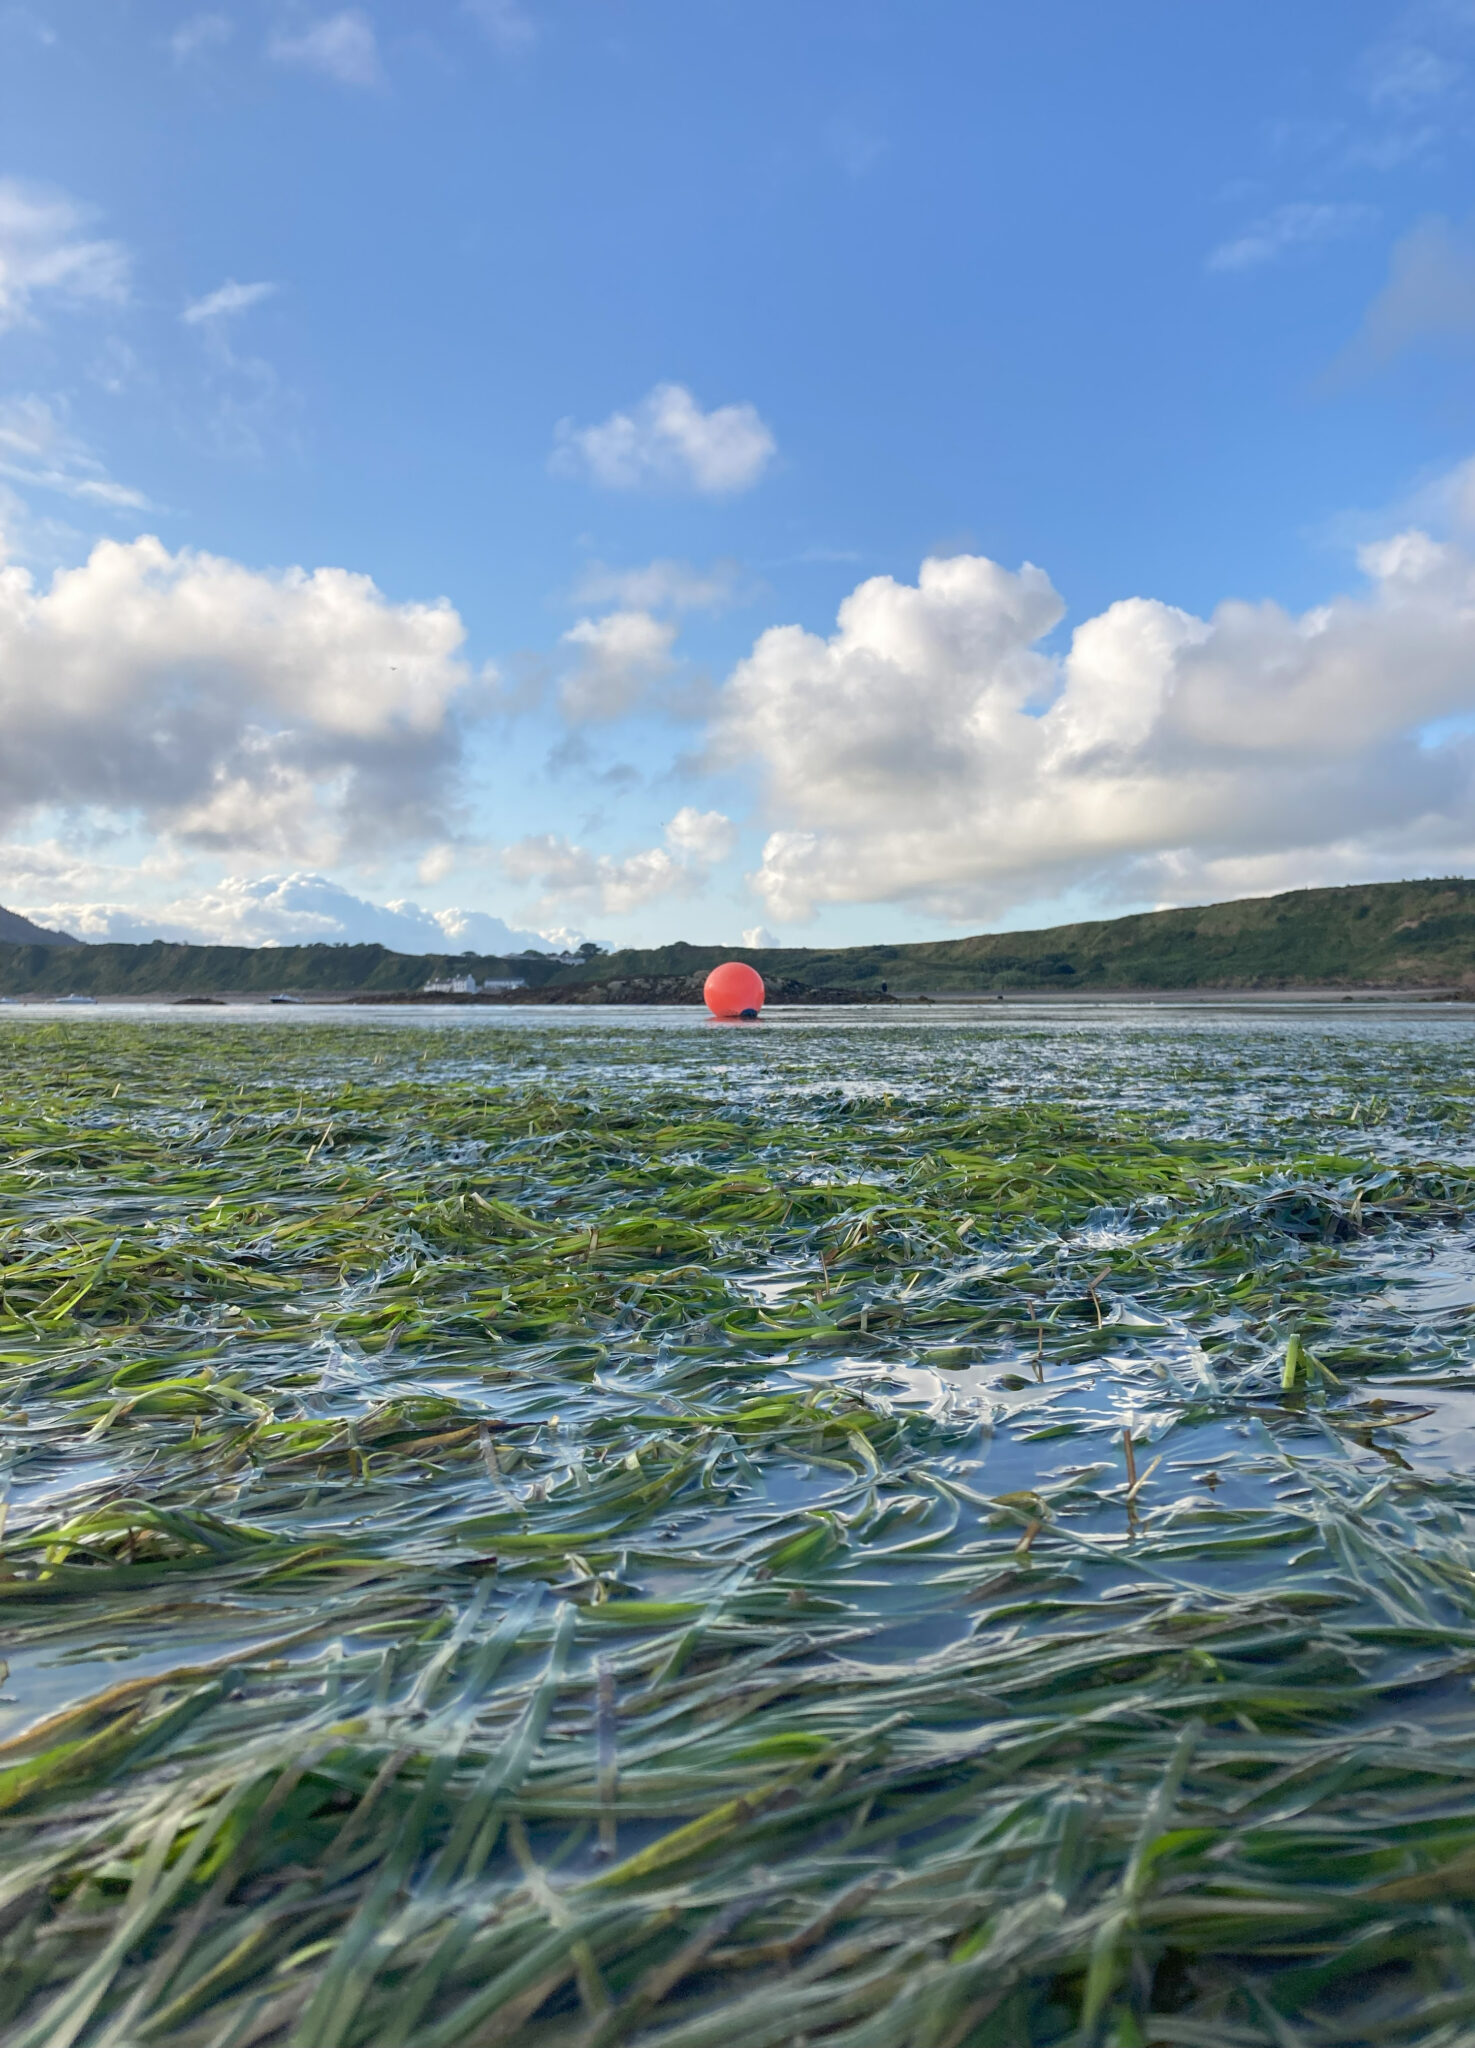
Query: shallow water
(1095, 1384)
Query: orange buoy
(734, 990)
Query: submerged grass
(904, 1539)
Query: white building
(467, 985)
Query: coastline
(1057, 1001)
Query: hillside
(166, 969)
(16, 930)
(1374, 935)
(1390, 935)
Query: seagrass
(902, 1537)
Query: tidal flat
(913, 1532)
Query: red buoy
(734, 990)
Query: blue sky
(475, 462)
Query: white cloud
(616, 660)
(660, 586)
(1429, 294)
(342, 47)
(572, 877)
(436, 862)
(226, 300)
(758, 939)
(1302, 224)
(199, 33)
(477, 931)
(927, 752)
(702, 837)
(289, 713)
(38, 450)
(44, 252)
(509, 26)
(668, 441)
(298, 909)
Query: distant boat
(289, 999)
(74, 998)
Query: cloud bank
(937, 749)
(928, 752)
(290, 715)
(298, 909)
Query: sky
(480, 473)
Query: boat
(74, 998)
(288, 999)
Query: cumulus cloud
(572, 877)
(701, 838)
(226, 300)
(929, 752)
(342, 47)
(1302, 224)
(667, 441)
(289, 713)
(660, 586)
(616, 660)
(37, 449)
(299, 909)
(45, 252)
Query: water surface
(957, 1463)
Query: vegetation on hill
(1378, 935)
(16, 930)
(164, 969)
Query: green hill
(16, 930)
(1391, 935)
(1376, 935)
(165, 969)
